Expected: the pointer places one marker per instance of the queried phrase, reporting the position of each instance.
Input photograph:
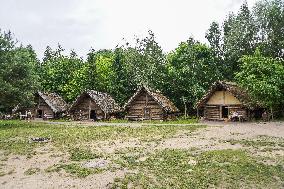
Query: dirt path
(213, 136)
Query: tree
(192, 68)
(100, 69)
(214, 37)
(146, 61)
(143, 63)
(263, 77)
(122, 81)
(239, 39)
(18, 75)
(269, 16)
(59, 72)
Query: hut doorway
(39, 113)
(93, 115)
(147, 113)
(225, 112)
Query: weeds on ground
(74, 169)
(79, 154)
(213, 169)
(190, 120)
(31, 171)
(261, 141)
(15, 135)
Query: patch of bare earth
(44, 158)
(214, 136)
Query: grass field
(157, 156)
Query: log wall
(213, 107)
(44, 107)
(215, 112)
(145, 107)
(84, 107)
(212, 112)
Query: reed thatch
(103, 100)
(54, 101)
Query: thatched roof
(163, 101)
(54, 101)
(103, 100)
(238, 92)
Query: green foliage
(239, 36)
(18, 76)
(62, 74)
(242, 33)
(213, 35)
(183, 75)
(192, 68)
(270, 23)
(263, 77)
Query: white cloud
(83, 24)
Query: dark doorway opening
(147, 113)
(225, 111)
(93, 115)
(39, 113)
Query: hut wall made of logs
(222, 104)
(223, 100)
(94, 105)
(42, 108)
(144, 106)
(149, 105)
(86, 109)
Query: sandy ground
(209, 138)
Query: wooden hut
(146, 104)
(49, 104)
(223, 100)
(93, 105)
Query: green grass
(177, 121)
(261, 142)
(214, 169)
(15, 135)
(79, 154)
(147, 166)
(31, 171)
(74, 169)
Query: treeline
(248, 48)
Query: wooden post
(185, 109)
(220, 112)
(271, 110)
(89, 109)
(197, 113)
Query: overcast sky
(82, 24)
